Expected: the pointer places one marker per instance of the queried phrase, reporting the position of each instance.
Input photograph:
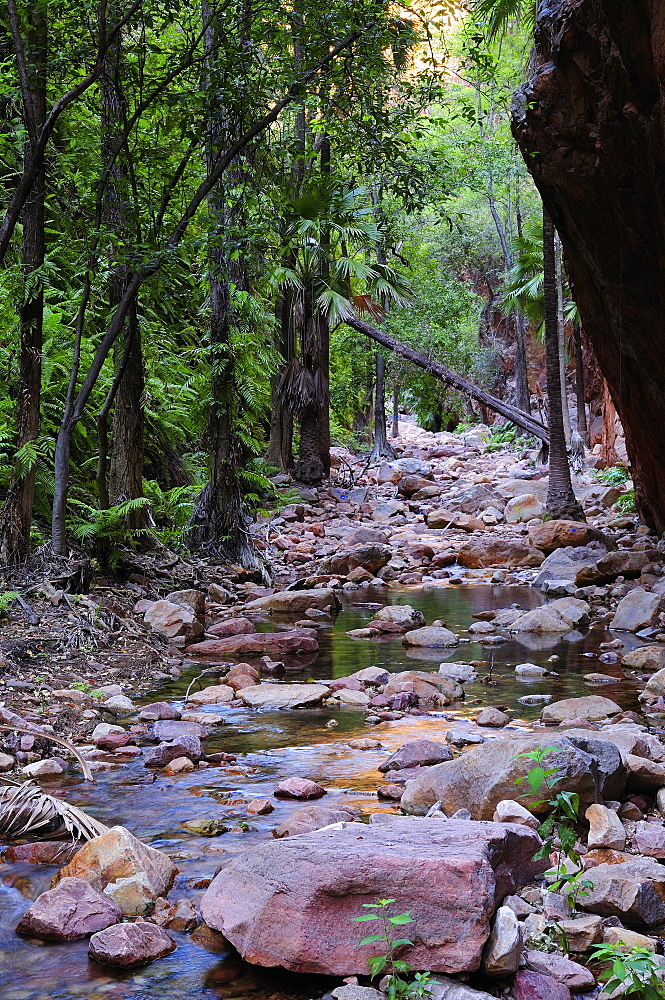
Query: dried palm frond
(27, 811)
(37, 731)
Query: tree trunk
(582, 428)
(382, 447)
(324, 334)
(522, 394)
(395, 429)
(561, 500)
(561, 335)
(16, 520)
(280, 445)
(435, 368)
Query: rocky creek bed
(398, 678)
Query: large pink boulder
(70, 911)
(290, 902)
(302, 640)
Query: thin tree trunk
(522, 394)
(382, 447)
(561, 500)
(324, 335)
(16, 521)
(561, 337)
(582, 428)
(395, 429)
(435, 368)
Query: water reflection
(272, 746)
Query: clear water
(272, 746)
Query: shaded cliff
(591, 126)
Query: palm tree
(329, 233)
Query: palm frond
(85, 767)
(27, 811)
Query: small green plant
(631, 971)
(395, 968)
(500, 437)
(79, 686)
(616, 475)
(6, 599)
(626, 503)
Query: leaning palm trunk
(27, 811)
(35, 731)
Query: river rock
(277, 696)
(369, 557)
(605, 828)
(571, 974)
(523, 508)
(592, 707)
(620, 563)
(51, 767)
(644, 775)
(311, 818)
(551, 535)
(127, 945)
(460, 672)
(510, 811)
(164, 753)
(230, 627)
(646, 658)
(482, 776)
(193, 599)
(496, 551)
(490, 716)
(72, 910)
(401, 614)
(655, 687)
(529, 985)
(410, 485)
(117, 855)
(289, 903)
(156, 711)
(633, 890)
(417, 753)
(581, 933)
(171, 620)
(474, 499)
(172, 730)
(299, 788)
(297, 602)
(214, 694)
(565, 564)
(431, 636)
(432, 689)
(650, 839)
(637, 610)
(626, 940)
(281, 643)
(501, 956)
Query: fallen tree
(435, 368)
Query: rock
(530, 670)
(52, 767)
(72, 910)
(572, 975)
(621, 563)
(299, 788)
(173, 730)
(605, 828)
(458, 738)
(581, 933)
(119, 705)
(644, 775)
(275, 696)
(401, 614)
(371, 675)
(389, 474)
(354, 699)
(430, 636)
(646, 658)
(566, 564)
(164, 753)
(6, 762)
(230, 627)
(413, 467)
(297, 601)
(154, 712)
(260, 807)
(484, 775)
(417, 753)
(655, 687)
(591, 707)
(281, 643)
(206, 827)
(496, 551)
(529, 985)
(171, 620)
(574, 611)
(311, 818)
(193, 599)
(474, 499)
(178, 916)
(179, 765)
(650, 839)
(634, 891)
(551, 535)
(442, 988)
(501, 956)
(460, 672)
(523, 508)
(371, 557)
(127, 945)
(431, 689)
(620, 936)
(543, 619)
(444, 518)
(114, 741)
(510, 811)
(118, 855)
(410, 485)
(43, 852)
(215, 694)
(638, 609)
(490, 716)
(353, 992)
(289, 903)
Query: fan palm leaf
(27, 811)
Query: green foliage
(630, 972)
(616, 475)
(7, 597)
(626, 504)
(388, 963)
(109, 531)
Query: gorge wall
(591, 126)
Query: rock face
(590, 123)
(289, 903)
(481, 777)
(118, 861)
(506, 552)
(70, 911)
(127, 945)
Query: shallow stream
(272, 746)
